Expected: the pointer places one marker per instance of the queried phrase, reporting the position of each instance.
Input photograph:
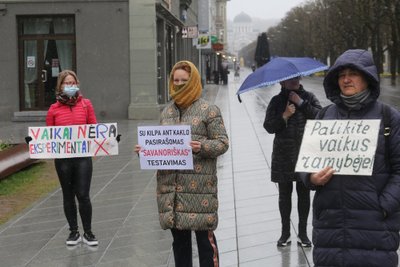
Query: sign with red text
(348, 146)
(165, 147)
(73, 141)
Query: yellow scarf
(191, 91)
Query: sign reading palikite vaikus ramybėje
(348, 146)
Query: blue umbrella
(280, 69)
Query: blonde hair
(61, 77)
(182, 65)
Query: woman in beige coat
(187, 199)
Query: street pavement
(125, 216)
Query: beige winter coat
(187, 199)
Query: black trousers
(206, 245)
(75, 176)
(285, 205)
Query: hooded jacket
(356, 219)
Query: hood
(191, 91)
(358, 59)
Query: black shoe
(302, 240)
(284, 240)
(74, 238)
(90, 239)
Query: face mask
(70, 90)
(178, 87)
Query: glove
(118, 138)
(28, 139)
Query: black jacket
(288, 134)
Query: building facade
(242, 32)
(122, 51)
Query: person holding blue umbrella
(286, 117)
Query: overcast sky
(264, 9)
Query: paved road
(125, 212)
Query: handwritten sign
(348, 146)
(165, 147)
(73, 141)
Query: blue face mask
(70, 90)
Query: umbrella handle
(240, 100)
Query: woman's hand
(196, 146)
(289, 111)
(322, 177)
(295, 98)
(137, 149)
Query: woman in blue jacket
(356, 219)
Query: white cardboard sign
(348, 146)
(165, 147)
(86, 140)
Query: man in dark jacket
(356, 218)
(286, 117)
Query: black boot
(303, 208)
(285, 208)
(284, 240)
(302, 238)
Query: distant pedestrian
(208, 71)
(237, 73)
(188, 199)
(224, 71)
(286, 117)
(356, 218)
(74, 174)
(216, 76)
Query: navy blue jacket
(356, 219)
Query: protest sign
(73, 141)
(165, 147)
(348, 146)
